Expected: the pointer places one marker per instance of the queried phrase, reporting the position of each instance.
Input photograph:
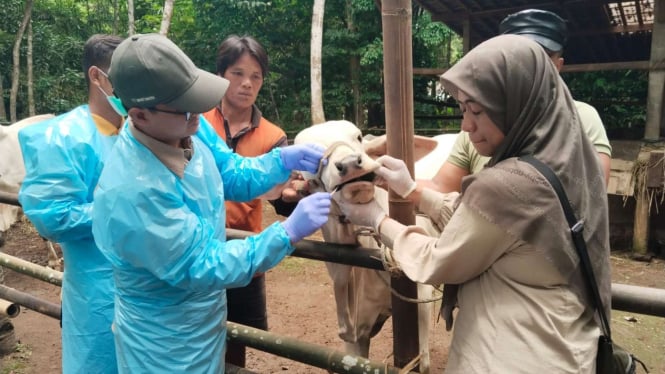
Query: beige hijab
(519, 87)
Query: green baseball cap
(149, 69)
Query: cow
(12, 173)
(363, 296)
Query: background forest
(352, 58)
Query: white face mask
(113, 100)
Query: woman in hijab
(523, 302)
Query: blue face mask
(113, 100)
(116, 104)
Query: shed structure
(603, 35)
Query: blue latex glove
(305, 157)
(310, 214)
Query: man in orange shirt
(237, 119)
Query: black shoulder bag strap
(576, 228)
(607, 360)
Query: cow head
(349, 169)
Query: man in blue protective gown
(159, 212)
(63, 159)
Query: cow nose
(351, 161)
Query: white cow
(362, 295)
(12, 172)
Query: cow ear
(376, 147)
(422, 146)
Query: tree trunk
(16, 53)
(115, 17)
(318, 115)
(130, 17)
(448, 52)
(354, 65)
(166, 17)
(3, 110)
(31, 92)
(274, 104)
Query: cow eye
(360, 138)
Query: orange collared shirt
(260, 137)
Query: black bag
(611, 358)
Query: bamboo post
(9, 198)
(330, 252)
(9, 309)
(31, 302)
(398, 91)
(33, 270)
(641, 300)
(310, 354)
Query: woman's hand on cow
(369, 214)
(397, 176)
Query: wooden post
(641, 225)
(466, 37)
(398, 91)
(654, 122)
(650, 177)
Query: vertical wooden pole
(655, 123)
(398, 91)
(641, 225)
(466, 35)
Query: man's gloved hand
(369, 214)
(304, 157)
(310, 214)
(395, 173)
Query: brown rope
(392, 267)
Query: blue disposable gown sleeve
(56, 194)
(190, 256)
(245, 178)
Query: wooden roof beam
(493, 12)
(638, 11)
(614, 30)
(622, 14)
(577, 68)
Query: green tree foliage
(60, 29)
(352, 30)
(284, 27)
(619, 96)
(434, 45)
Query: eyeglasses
(188, 115)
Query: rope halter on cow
(324, 161)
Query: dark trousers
(247, 306)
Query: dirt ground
(301, 306)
